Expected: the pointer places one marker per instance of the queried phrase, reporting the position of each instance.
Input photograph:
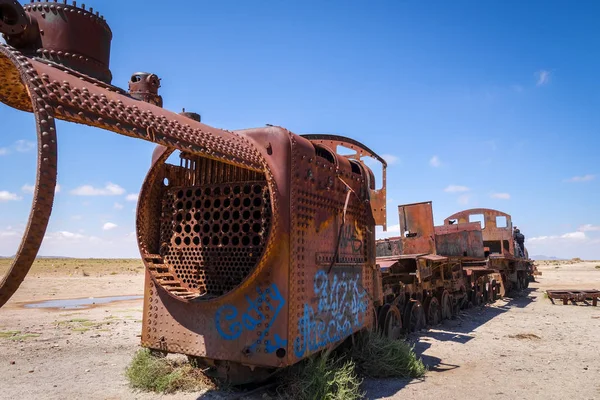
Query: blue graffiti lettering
(341, 307)
(230, 326)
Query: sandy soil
(521, 347)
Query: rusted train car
(259, 244)
(430, 272)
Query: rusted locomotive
(259, 246)
(431, 272)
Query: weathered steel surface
(462, 240)
(574, 295)
(500, 237)
(259, 246)
(416, 228)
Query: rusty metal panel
(389, 247)
(491, 233)
(459, 240)
(330, 253)
(377, 197)
(416, 228)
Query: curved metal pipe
(43, 196)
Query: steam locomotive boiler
(259, 245)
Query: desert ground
(519, 347)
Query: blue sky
(474, 104)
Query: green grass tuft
(160, 375)
(8, 334)
(322, 377)
(338, 375)
(379, 357)
(25, 336)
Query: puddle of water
(80, 303)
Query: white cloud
(57, 188)
(7, 196)
(108, 226)
(3, 151)
(27, 188)
(456, 189)
(463, 199)
(543, 77)
(435, 161)
(109, 190)
(583, 178)
(589, 228)
(24, 146)
(503, 196)
(71, 244)
(568, 235)
(390, 159)
(118, 206)
(574, 235)
(132, 197)
(567, 245)
(63, 235)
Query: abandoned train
(259, 244)
(431, 272)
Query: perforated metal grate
(214, 235)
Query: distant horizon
(536, 258)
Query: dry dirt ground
(520, 347)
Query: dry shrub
(161, 375)
(525, 336)
(323, 376)
(377, 356)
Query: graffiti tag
(341, 308)
(350, 237)
(230, 324)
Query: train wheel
(446, 305)
(381, 317)
(432, 311)
(525, 282)
(477, 298)
(375, 323)
(393, 323)
(455, 306)
(414, 318)
(493, 291)
(519, 284)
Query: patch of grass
(77, 320)
(322, 376)
(25, 336)
(597, 267)
(338, 375)
(377, 356)
(160, 375)
(80, 329)
(524, 336)
(8, 334)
